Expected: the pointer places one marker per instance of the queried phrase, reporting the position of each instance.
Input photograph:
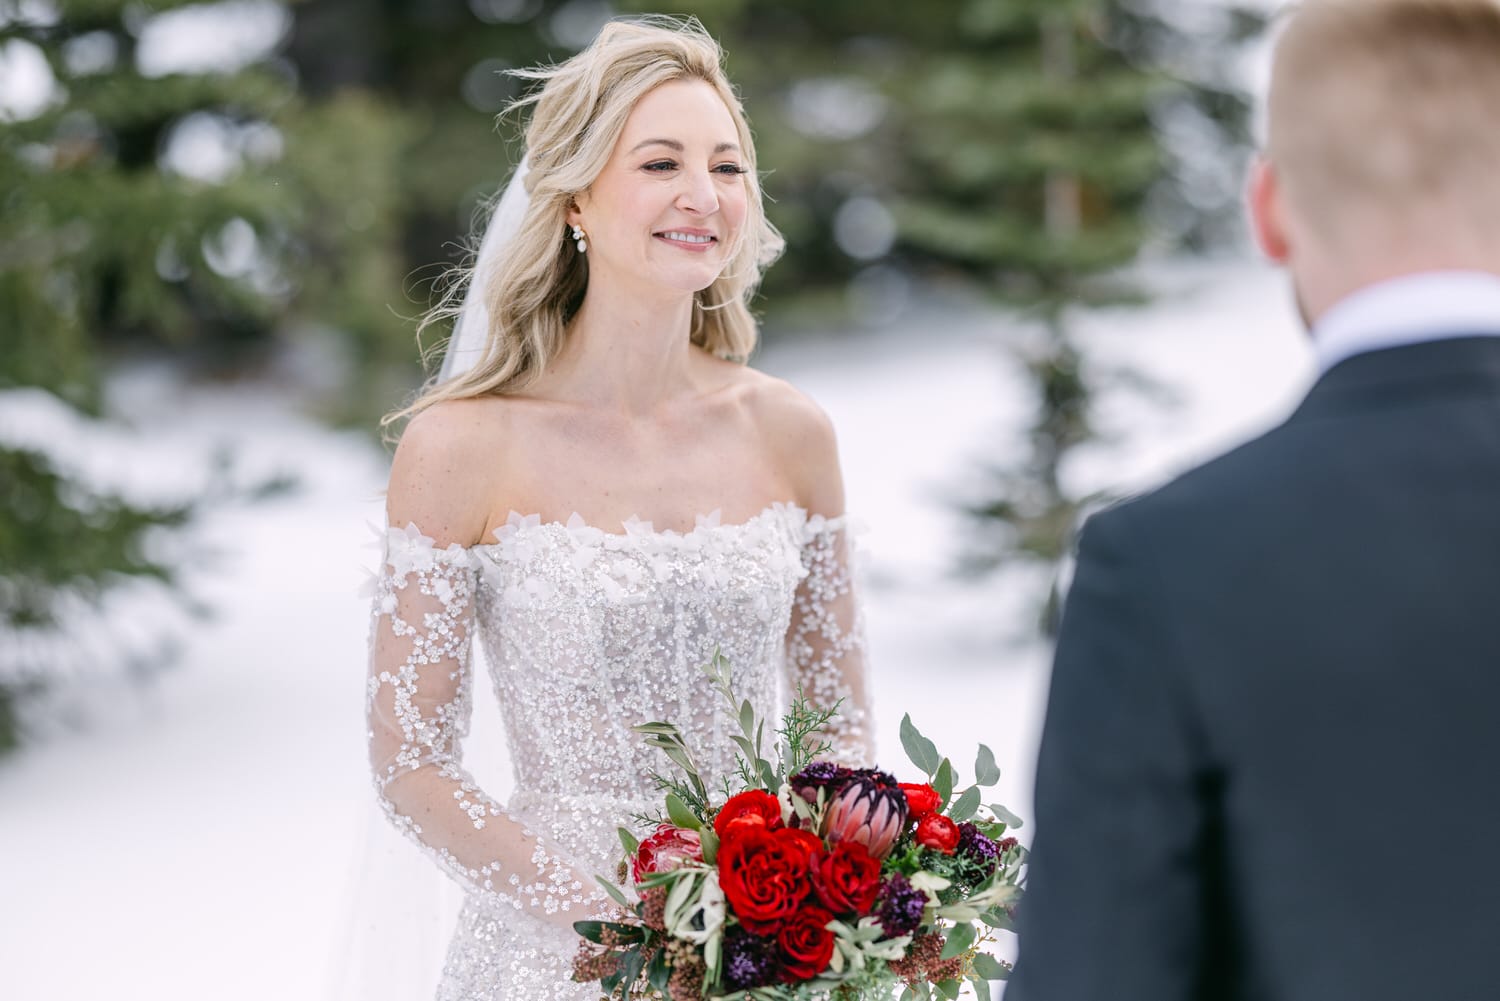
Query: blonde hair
(577, 116)
(1389, 109)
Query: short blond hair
(576, 117)
(1388, 108)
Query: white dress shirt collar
(1411, 309)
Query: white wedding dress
(586, 633)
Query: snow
(200, 840)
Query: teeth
(687, 238)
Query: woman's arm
(420, 685)
(825, 644)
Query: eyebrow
(679, 147)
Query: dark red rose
(920, 799)
(938, 832)
(764, 874)
(806, 945)
(667, 849)
(755, 807)
(846, 878)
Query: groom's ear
(1268, 211)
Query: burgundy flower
(900, 906)
(819, 775)
(975, 844)
(749, 960)
(869, 809)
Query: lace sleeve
(418, 707)
(826, 641)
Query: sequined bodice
(586, 633)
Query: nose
(698, 195)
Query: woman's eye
(729, 168)
(661, 165)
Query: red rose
(937, 831)
(806, 944)
(846, 878)
(920, 799)
(764, 874)
(667, 849)
(753, 807)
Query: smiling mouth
(688, 241)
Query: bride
(602, 497)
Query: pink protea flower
(668, 848)
(869, 809)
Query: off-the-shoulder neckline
(635, 527)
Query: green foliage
(110, 246)
(64, 548)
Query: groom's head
(1383, 143)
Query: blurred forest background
(270, 191)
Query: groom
(1271, 763)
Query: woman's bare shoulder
(444, 471)
(801, 436)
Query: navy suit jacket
(1270, 769)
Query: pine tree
(1025, 148)
(1080, 175)
(114, 242)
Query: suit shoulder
(1231, 480)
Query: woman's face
(667, 208)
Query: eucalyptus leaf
(712, 954)
(591, 930)
(656, 728)
(768, 774)
(998, 917)
(710, 842)
(747, 717)
(959, 940)
(630, 971)
(942, 782)
(922, 752)
(658, 973)
(986, 772)
(613, 891)
(967, 803)
(950, 988)
(1005, 816)
(989, 967)
(981, 988)
(680, 815)
(632, 845)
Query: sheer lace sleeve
(826, 641)
(418, 707)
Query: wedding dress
(586, 633)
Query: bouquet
(806, 878)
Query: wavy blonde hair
(577, 115)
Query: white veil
(466, 348)
(400, 908)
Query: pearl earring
(581, 239)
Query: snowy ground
(201, 842)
